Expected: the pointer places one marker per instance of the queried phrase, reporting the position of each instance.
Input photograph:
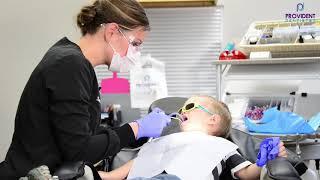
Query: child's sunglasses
(192, 106)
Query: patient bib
(188, 155)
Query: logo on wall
(300, 15)
(300, 7)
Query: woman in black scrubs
(58, 115)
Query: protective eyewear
(136, 44)
(191, 106)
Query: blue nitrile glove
(269, 150)
(152, 124)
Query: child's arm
(119, 173)
(250, 172)
(253, 171)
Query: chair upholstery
(276, 170)
(168, 104)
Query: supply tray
(288, 137)
(283, 137)
(275, 44)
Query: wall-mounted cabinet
(176, 3)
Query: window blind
(187, 40)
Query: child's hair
(219, 108)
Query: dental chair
(290, 168)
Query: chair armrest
(281, 169)
(70, 170)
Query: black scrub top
(58, 116)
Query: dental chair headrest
(168, 104)
(173, 127)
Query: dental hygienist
(59, 111)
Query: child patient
(199, 151)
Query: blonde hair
(129, 14)
(219, 108)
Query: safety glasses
(136, 44)
(191, 106)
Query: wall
(28, 29)
(239, 14)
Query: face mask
(125, 63)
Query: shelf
(269, 61)
(267, 71)
(281, 71)
(261, 77)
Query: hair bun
(86, 16)
(128, 13)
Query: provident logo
(300, 15)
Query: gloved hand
(269, 150)
(152, 124)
